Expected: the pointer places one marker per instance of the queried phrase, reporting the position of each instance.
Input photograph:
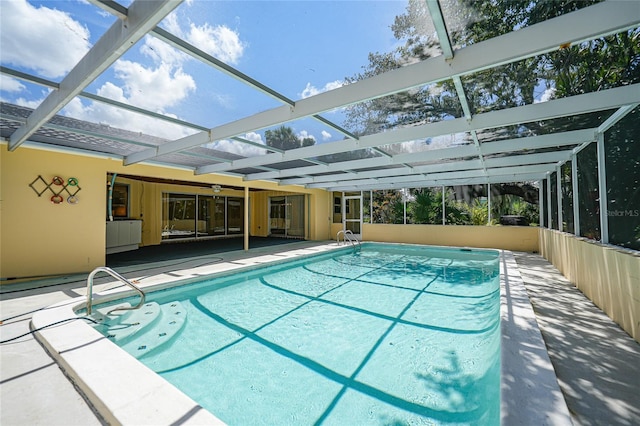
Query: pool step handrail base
(120, 278)
(347, 235)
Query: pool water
(390, 334)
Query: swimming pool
(122, 390)
(386, 334)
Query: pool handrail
(347, 235)
(120, 278)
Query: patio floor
(595, 361)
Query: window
(120, 200)
(337, 207)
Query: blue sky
(298, 48)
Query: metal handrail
(347, 235)
(120, 278)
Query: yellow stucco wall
(39, 238)
(518, 238)
(607, 275)
(42, 238)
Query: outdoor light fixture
(216, 188)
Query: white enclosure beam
(473, 164)
(613, 119)
(549, 207)
(444, 208)
(123, 34)
(403, 181)
(488, 204)
(540, 203)
(559, 197)
(587, 23)
(574, 137)
(579, 104)
(602, 191)
(576, 198)
(479, 180)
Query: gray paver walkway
(596, 362)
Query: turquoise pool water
(390, 334)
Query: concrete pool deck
(595, 361)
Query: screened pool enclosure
(512, 108)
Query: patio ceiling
(480, 146)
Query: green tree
(604, 63)
(387, 207)
(426, 206)
(284, 138)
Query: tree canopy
(560, 73)
(284, 138)
(599, 64)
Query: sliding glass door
(188, 216)
(286, 216)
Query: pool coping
(124, 391)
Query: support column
(488, 204)
(444, 220)
(576, 198)
(602, 190)
(246, 218)
(540, 202)
(549, 209)
(559, 190)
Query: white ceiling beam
(526, 159)
(401, 181)
(333, 167)
(574, 137)
(608, 123)
(585, 24)
(616, 116)
(123, 34)
(579, 104)
(425, 183)
(441, 28)
(467, 165)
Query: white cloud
(548, 94)
(240, 148)
(326, 135)
(161, 52)
(96, 112)
(311, 90)
(10, 84)
(304, 134)
(220, 41)
(45, 40)
(33, 104)
(420, 145)
(152, 88)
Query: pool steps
(143, 330)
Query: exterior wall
(517, 238)
(39, 238)
(608, 275)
